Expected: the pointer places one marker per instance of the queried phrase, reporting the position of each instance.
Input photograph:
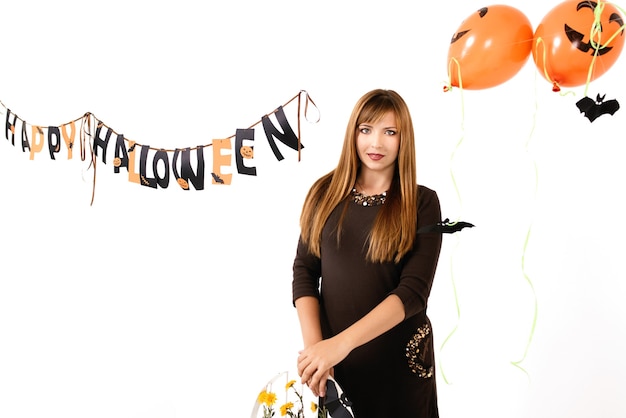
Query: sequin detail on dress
(416, 353)
(364, 200)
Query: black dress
(392, 376)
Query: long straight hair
(393, 232)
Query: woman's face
(378, 145)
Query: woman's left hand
(315, 363)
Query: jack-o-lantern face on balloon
(572, 39)
(489, 47)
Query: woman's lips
(375, 157)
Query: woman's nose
(377, 140)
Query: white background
(165, 303)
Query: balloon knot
(446, 89)
(555, 87)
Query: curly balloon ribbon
(535, 310)
(555, 84)
(519, 362)
(596, 32)
(458, 313)
(448, 87)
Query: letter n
(288, 137)
(186, 171)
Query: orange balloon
(566, 40)
(489, 47)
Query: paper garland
(156, 166)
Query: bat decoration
(594, 109)
(217, 178)
(445, 227)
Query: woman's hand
(316, 363)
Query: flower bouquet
(295, 402)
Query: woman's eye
(365, 130)
(391, 132)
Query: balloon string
(458, 313)
(458, 144)
(596, 31)
(555, 84)
(525, 247)
(448, 87)
(458, 194)
(535, 310)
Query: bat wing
(609, 107)
(217, 178)
(589, 107)
(445, 227)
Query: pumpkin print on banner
(489, 47)
(578, 41)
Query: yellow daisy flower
(290, 384)
(270, 398)
(286, 407)
(262, 396)
(313, 406)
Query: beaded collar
(364, 200)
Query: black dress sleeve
(307, 270)
(419, 265)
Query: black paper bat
(445, 227)
(594, 109)
(217, 178)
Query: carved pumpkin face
(489, 47)
(466, 26)
(247, 152)
(184, 184)
(570, 35)
(614, 22)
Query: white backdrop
(165, 303)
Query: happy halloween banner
(152, 166)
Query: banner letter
(288, 138)
(161, 155)
(54, 140)
(25, 141)
(10, 126)
(121, 154)
(220, 160)
(133, 175)
(242, 151)
(38, 140)
(69, 138)
(101, 143)
(145, 180)
(187, 175)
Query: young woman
(366, 322)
